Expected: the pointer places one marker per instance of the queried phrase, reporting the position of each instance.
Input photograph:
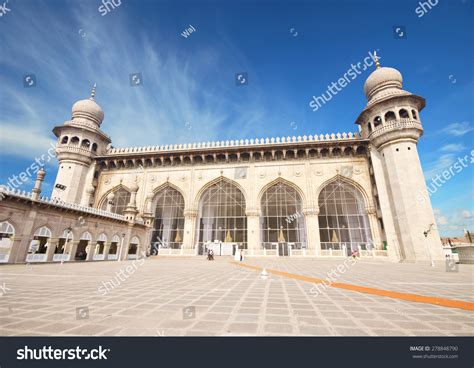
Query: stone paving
(194, 297)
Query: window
(120, 201)
(403, 114)
(222, 215)
(282, 218)
(168, 228)
(377, 121)
(342, 218)
(390, 116)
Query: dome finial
(93, 91)
(377, 64)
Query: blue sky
(291, 50)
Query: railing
(394, 125)
(59, 203)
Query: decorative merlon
(238, 143)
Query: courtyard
(181, 296)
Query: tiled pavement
(191, 296)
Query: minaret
(80, 140)
(392, 124)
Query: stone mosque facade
(331, 195)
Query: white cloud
(466, 214)
(458, 129)
(453, 147)
(442, 220)
(442, 163)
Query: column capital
(252, 211)
(190, 212)
(311, 211)
(370, 210)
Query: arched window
(221, 216)
(75, 140)
(377, 121)
(64, 140)
(120, 201)
(370, 127)
(40, 241)
(282, 218)
(7, 231)
(343, 220)
(133, 248)
(168, 226)
(390, 116)
(86, 143)
(403, 114)
(413, 112)
(94, 147)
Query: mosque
(331, 195)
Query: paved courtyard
(191, 296)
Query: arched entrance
(168, 226)
(63, 249)
(222, 222)
(113, 255)
(99, 251)
(133, 248)
(343, 220)
(7, 233)
(282, 222)
(39, 245)
(83, 247)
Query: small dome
(382, 79)
(88, 109)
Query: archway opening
(343, 220)
(39, 245)
(222, 222)
(7, 232)
(282, 222)
(168, 226)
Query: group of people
(239, 255)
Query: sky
(52, 52)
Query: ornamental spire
(377, 64)
(93, 91)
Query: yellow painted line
(442, 302)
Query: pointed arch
(43, 231)
(102, 237)
(217, 180)
(103, 199)
(156, 191)
(221, 209)
(86, 235)
(7, 228)
(344, 179)
(282, 181)
(168, 212)
(343, 220)
(115, 239)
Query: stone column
(15, 250)
(73, 250)
(107, 249)
(190, 216)
(374, 226)
(110, 202)
(52, 244)
(90, 250)
(312, 230)
(253, 230)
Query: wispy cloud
(442, 163)
(458, 129)
(453, 147)
(185, 97)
